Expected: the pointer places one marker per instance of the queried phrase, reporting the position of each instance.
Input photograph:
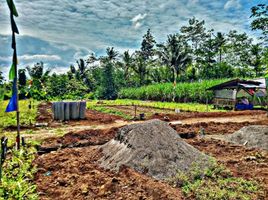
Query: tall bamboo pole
(14, 46)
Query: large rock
(251, 136)
(152, 147)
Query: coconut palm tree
(127, 62)
(175, 53)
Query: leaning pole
(13, 73)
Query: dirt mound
(152, 147)
(251, 136)
(44, 113)
(78, 139)
(74, 174)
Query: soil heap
(152, 147)
(251, 136)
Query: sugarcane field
(134, 100)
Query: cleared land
(67, 164)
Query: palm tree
(37, 72)
(127, 62)
(175, 53)
(111, 54)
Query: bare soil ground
(215, 127)
(244, 162)
(72, 172)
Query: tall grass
(27, 116)
(184, 92)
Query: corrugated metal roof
(233, 84)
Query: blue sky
(58, 32)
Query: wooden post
(207, 103)
(135, 110)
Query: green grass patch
(27, 116)
(18, 174)
(155, 104)
(216, 183)
(112, 111)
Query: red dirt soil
(215, 127)
(188, 115)
(74, 174)
(79, 139)
(244, 162)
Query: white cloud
(40, 57)
(137, 25)
(137, 20)
(232, 4)
(66, 28)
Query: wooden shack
(228, 94)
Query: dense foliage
(192, 54)
(184, 92)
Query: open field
(67, 164)
(27, 116)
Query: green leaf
(13, 8)
(12, 72)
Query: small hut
(230, 94)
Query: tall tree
(238, 51)
(39, 77)
(108, 86)
(147, 45)
(220, 42)
(1, 78)
(260, 21)
(255, 60)
(175, 53)
(38, 72)
(22, 77)
(194, 32)
(127, 62)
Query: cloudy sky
(58, 32)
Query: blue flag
(12, 105)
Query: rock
(152, 147)
(250, 136)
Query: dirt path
(237, 119)
(60, 131)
